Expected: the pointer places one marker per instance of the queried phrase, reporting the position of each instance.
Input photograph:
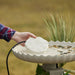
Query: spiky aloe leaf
(55, 26)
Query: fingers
(23, 44)
(22, 36)
(32, 35)
(26, 35)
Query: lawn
(26, 15)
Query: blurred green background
(26, 15)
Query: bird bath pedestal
(58, 52)
(52, 69)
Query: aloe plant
(58, 29)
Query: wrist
(15, 35)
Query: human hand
(22, 36)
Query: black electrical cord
(9, 54)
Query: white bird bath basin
(58, 52)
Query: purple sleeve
(6, 33)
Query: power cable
(9, 54)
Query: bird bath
(58, 52)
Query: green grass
(26, 15)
